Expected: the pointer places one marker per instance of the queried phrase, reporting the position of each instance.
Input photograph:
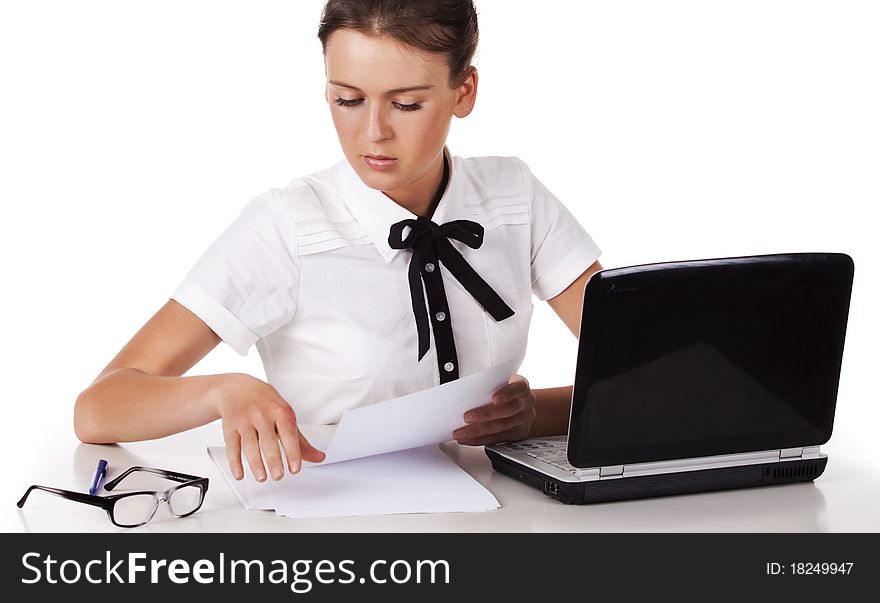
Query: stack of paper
(382, 459)
(422, 480)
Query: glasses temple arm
(88, 499)
(180, 477)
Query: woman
(397, 269)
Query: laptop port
(551, 488)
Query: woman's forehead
(379, 64)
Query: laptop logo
(613, 288)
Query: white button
(429, 267)
(441, 316)
(449, 366)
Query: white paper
(249, 492)
(421, 480)
(414, 420)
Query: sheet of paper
(261, 495)
(420, 480)
(414, 420)
(249, 492)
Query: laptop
(697, 375)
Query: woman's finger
(309, 452)
(511, 435)
(289, 435)
(514, 389)
(251, 446)
(494, 411)
(268, 438)
(233, 453)
(485, 428)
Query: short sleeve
(561, 250)
(245, 285)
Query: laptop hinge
(809, 452)
(612, 471)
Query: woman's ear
(466, 94)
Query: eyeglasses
(133, 509)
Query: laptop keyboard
(553, 453)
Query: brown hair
(447, 27)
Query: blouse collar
(376, 212)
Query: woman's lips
(379, 163)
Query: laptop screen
(709, 357)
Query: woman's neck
(421, 205)
(441, 188)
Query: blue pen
(98, 477)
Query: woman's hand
(508, 417)
(255, 417)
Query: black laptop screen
(710, 357)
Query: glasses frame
(108, 503)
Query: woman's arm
(569, 304)
(553, 405)
(516, 411)
(142, 395)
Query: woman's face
(393, 101)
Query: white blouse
(307, 274)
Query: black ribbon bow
(429, 243)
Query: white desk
(845, 499)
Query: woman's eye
(348, 103)
(353, 103)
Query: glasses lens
(134, 510)
(185, 500)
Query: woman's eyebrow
(390, 92)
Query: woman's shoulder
(493, 164)
(315, 205)
(504, 174)
(314, 196)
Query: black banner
(517, 567)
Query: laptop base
(686, 482)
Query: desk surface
(845, 499)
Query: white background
(132, 133)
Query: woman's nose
(378, 128)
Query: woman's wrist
(216, 390)
(222, 388)
(552, 409)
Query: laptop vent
(793, 472)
